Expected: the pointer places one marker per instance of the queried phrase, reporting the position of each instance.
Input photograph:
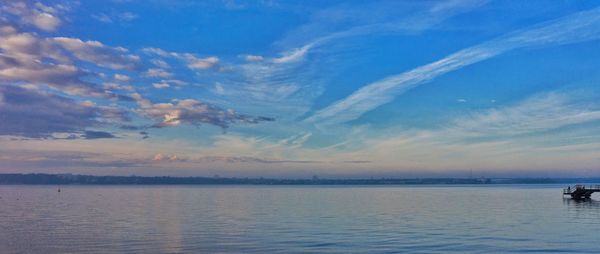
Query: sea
(296, 219)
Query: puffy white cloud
(39, 15)
(45, 21)
(29, 58)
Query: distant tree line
(65, 179)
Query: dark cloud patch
(97, 135)
(131, 127)
(31, 113)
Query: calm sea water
(286, 219)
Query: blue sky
(294, 89)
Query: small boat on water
(580, 191)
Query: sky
(294, 88)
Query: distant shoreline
(71, 179)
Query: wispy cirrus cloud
(529, 133)
(192, 61)
(578, 27)
(289, 84)
(332, 24)
(122, 17)
(536, 114)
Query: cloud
(114, 86)
(343, 21)
(196, 63)
(115, 17)
(219, 89)
(247, 159)
(192, 61)
(41, 159)
(582, 26)
(161, 85)
(103, 17)
(45, 21)
(28, 58)
(97, 135)
(41, 16)
(128, 16)
(253, 58)
(100, 54)
(288, 86)
(160, 157)
(158, 73)
(31, 113)
(160, 63)
(550, 130)
(168, 83)
(233, 5)
(121, 77)
(538, 113)
(193, 112)
(294, 54)
(166, 158)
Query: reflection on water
(583, 210)
(284, 219)
(582, 203)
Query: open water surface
(296, 219)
